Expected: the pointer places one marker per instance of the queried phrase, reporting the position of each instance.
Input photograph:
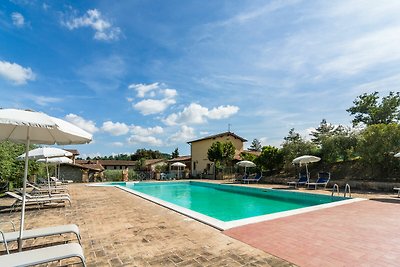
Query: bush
(113, 175)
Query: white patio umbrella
(30, 127)
(57, 161)
(246, 164)
(397, 155)
(44, 153)
(305, 160)
(179, 165)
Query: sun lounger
(38, 201)
(43, 255)
(43, 194)
(256, 179)
(56, 180)
(303, 179)
(42, 232)
(323, 179)
(398, 191)
(46, 188)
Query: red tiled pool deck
(364, 233)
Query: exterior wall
(199, 149)
(68, 172)
(118, 167)
(153, 166)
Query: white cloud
(17, 19)
(86, 125)
(153, 106)
(142, 89)
(138, 130)
(184, 134)
(170, 93)
(116, 128)
(149, 140)
(16, 73)
(44, 100)
(197, 114)
(104, 30)
(118, 144)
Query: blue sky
(156, 74)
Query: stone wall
(69, 172)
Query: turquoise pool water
(227, 202)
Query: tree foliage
(294, 146)
(175, 153)
(369, 111)
(377, 145)
(324, 130)
(221, 153)
(255, 145)
(12, 169)
(340, 145)
(270, 158)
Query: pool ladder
(336, 189)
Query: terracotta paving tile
(362, 233)
(120, 229)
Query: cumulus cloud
(153, 106)
(86, 125)
(16, 73)
(104, 30)
(17, 19)
(197, 114)
(149, 140)
(116, 128)
(142, 89)
(184, 134)
(119, 144)
(138, 130)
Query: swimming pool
(225, 206)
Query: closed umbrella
(305, 160)
(179, 165)
(246, 164)
(30, 127)
(397, 155)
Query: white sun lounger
(43, 255)
(28, 195)
(38, 200)
(46, 188)
(43, 232)
(398, 191)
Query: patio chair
(41, 232)
(239, 178)
(44, 194)
(38, 188)
(42, 255)
(398, 191)
(303, 180)
(58, 181)
(256, 178)
(323, 179)
(38, 201)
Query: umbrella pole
(21, 227)
(48, 176)
(308, 176)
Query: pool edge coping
(221, 225)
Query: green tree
(270, 158)
(221, 154)
(146, 154)
(324, 130)
(377, 145)
(228, 152)
(255, 145)
(294, 146)
(369, 111)
(340, 145)
(175, 153)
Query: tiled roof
(153, 161)
(73, 151)
(182, 158)
(106, 162)
(219, 135)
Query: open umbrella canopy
(397, 155)
(178, 164)
(246, 163)
(57, 160)
(305, 159)
(45, 152)
(30, 127)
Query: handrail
(12, 223)
(345, 190)
(333, 189)
(5, 241)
